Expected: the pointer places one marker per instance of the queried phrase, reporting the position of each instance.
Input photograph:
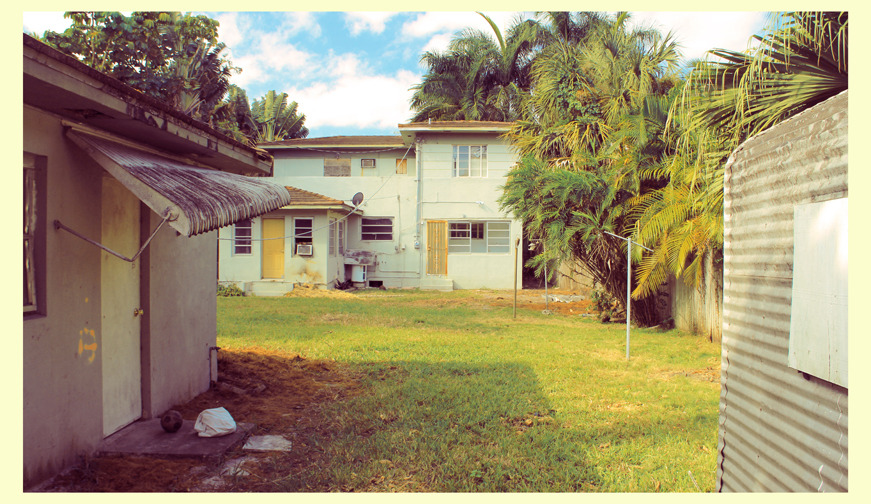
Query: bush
(230, 290)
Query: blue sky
(351, 72)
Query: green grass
(458, 396)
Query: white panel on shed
(818, 323)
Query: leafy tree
(593, 113)
(480, 77)
(799, 63)
(173, 57)
(276, 119)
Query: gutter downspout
(417, 238)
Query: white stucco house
(122, 196)
(427, 214)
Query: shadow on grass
(451, 427)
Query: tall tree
(480, 77)
(801, 61)
(585, 123)
(276, 119)
(171, 56)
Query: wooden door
(120, 327)
(436, 248)
(273, 249)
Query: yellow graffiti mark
(89, 346)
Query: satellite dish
(357, 199)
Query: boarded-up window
(340, 167)
(401, 166)
(818, 322)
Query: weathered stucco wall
(62, 411)
(180, 320)
(780, 430)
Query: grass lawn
(448, 392)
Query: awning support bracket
(58, 225)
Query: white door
(122, 390)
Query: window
(401, 166)
(242, 237)
(498, 237)
(302, 232)
(337, 167)
(31, 219)
(470, 161)
(333, 231)
(377, 228)
(479, 237)
(342, 237)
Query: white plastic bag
(215, 422)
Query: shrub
(230, 290)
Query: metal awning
(198, 199)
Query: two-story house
(416, 210)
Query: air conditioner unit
(367, 163)
(304, 249)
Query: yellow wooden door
(273, 248)
(436, 248)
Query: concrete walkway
(147, 437)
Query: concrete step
(436, 283)
(268, 288)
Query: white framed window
(302, 232)
(342, 237)
(242, 237)
(479, 237)
(333, 237)
(31, 219)
(459, 237)
(469, 161)
(498, 237)
(377, 229)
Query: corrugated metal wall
(779, 431)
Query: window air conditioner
(304, 249)
(368, 163)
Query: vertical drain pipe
(213, 365)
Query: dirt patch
(281, 393)
(309, 291)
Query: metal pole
(516, 245)
(546, 296)
(628, 282)
(628, 291)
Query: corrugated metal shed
(779, 430)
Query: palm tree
(276, 119)
(479, 77)
(800, 63)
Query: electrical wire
(308, 234)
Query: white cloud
(360, 22)
(293, 23)
(229, 31)
(364, 101)
(430, 23)
(39, 22)
(270, 56)
(438, 43)
(698, 32)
